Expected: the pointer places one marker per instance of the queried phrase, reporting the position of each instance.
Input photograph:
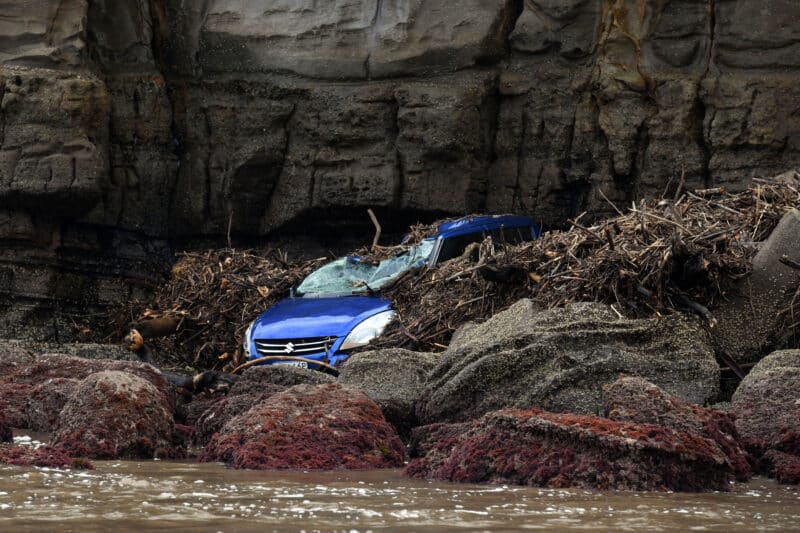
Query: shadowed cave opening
(321, 231)
(339, 230)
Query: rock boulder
(42, 456)
(767, 408)
(749, 322)
(312, 427)
(35, 389)
(46, 401)
(638, 401)
(116, 415)
(256, 384)
(767, 402)
(560, 359)
(261, 378)
(532, 447)
(218, 414)
(394, 378)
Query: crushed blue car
(339, 306)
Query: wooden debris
(672, 255)
(661, 257)
(214, 295)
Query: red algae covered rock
(43, 456)
(22, 401)
(634, 399)
(767, 408)
(767, 402)
(313, 427)
(532, 447)
(254, 385)
(49, 366)
(784, 467)
(46, 401)
(13, 401)
(114, 415)
(218, 414)
(5, 429)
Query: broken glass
(350, 275)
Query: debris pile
(215, 295)
(655, 257)
(660, 257)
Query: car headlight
(246, 340)
(367, 330)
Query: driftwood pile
(680, 254)
(209, 300)
(656, 257)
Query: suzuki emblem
(289, 347)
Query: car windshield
(350, 275)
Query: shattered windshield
(349, 275)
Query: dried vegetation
(658, 257)
(677, 254)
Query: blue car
(339, 307)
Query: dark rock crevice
(501, 32)
(393, 134)
(516, 200)
(175, 94)
(702, 116)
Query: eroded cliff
(129, 124)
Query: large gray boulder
(767, 409)
(749, 321)
(767, 402)
(394, 378)
(560, 359)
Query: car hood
(299, 318)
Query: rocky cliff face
(128, 124)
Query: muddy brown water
(183, 496)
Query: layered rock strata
(126, 125)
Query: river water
(184, 496)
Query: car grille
(293, 347)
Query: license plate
(300, 364)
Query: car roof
(471, 224)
